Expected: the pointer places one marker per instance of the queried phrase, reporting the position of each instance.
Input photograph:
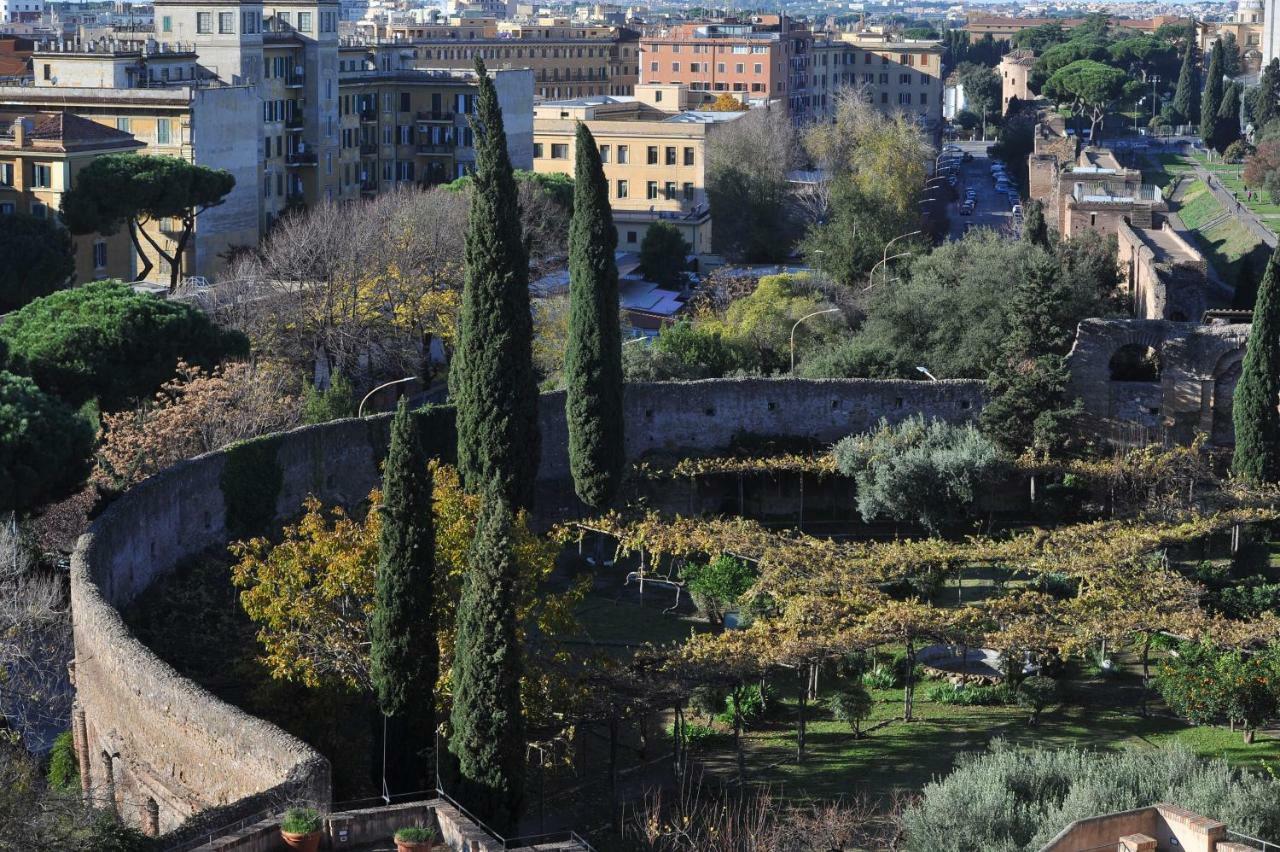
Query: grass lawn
(1224, 244)
(1232, 177)
(905, 756)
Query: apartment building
(21, 11)
(765, 58)
(40, 155)
(894, 74)
(567, 60)
(653, 147)
(270, 94)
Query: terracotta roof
(13, 66)
(69, 132)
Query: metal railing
(1264, 845)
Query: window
(675, 67)
(631, 236)
(622, 189)
(651, 190)
(100, 254)
(6, 174)
(162, 131)
(404, 102)
(739, 68)
(688, 156)
(304, 22)
(39, 211)
(604, 153)
(904, 98)
(559, 151)
(537, 150)
(204, 22)
(226, 22)
(41, 176)
(669, 190)
(924, 98)
(653, 155)
(7, 208)
(688, 192)
(166, 24)
(653, 66)
(670, 156)
(624, 154)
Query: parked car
(966, 209)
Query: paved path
(1234, 208)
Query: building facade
(766, 58)
(21, 11)
(40, 155)
(895, 75)
(654, 152)
(1015, 72)
(270, 94)
(1248, 25)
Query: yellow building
(893, 74)
(654, 153)
(40, 155)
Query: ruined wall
(152, 741)
(1199, 366)
(1162, 288)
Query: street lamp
(872, 277)
(794, 327)
(360, 410)
(931, 376)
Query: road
(992, 209)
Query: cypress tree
(593, 358)
(1227, 130)
(492, 380)
(1035, 229)
(1254, 409)
(1186, 98)
(1212, 99)
(488, 725)
(404, 654)
(1268, 103)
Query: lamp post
(931, 376)
(872, 277)
(885, 258)
(360, 410)
(797, 325)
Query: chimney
(21, 127)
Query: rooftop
(63, 131)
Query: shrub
(972, 696)
(44, 446)
(1011, 798)
(719, 585)
(851, 705)
(334, 403)
(415, 834)
(901, 666)
(931, 472)
(696, 735)
(300, 821)
(64, 773)
(107, 834)
(880, 677)
(1036, 693)
(751, 703)
(706, 701)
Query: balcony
(296, 198)
(294, 122)
(369, 116)
(295, 81)
(369, 187)
(434, 117)
(435, 149)
(301, 158)
(368, 149)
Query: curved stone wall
(162, 750)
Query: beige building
(1015, 71)
(895, 75)
(567, 60)
(40, 155)
(1248, 25)
(654, 153)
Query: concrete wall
(150, 734)
(226, 133)
(1172, 827)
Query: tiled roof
(69, 131)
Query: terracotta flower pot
(304, 842)
(415, 845)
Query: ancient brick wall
(151, 740)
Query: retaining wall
(161, 749)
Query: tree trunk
(677, 739)
(147, 265)
(614, 805)
(736, 697)
(800, 721)
(908, 697)
(1248, 735)
(1146, 669)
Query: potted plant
(300, 829)
(415, 838)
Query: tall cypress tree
(404, 654)
(492, 380)
(1254, 408)
(1268, 103)
(593, 358)
(1186, 98)
(1035, 229)
(1227, 129)
(1212, 98)
(488, 725)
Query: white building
(21, 11)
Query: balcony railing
(295, 81)
(301, 158)
(432, 148)
(369, 115)
(436, 116)
(294, 122)
(368, 149)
